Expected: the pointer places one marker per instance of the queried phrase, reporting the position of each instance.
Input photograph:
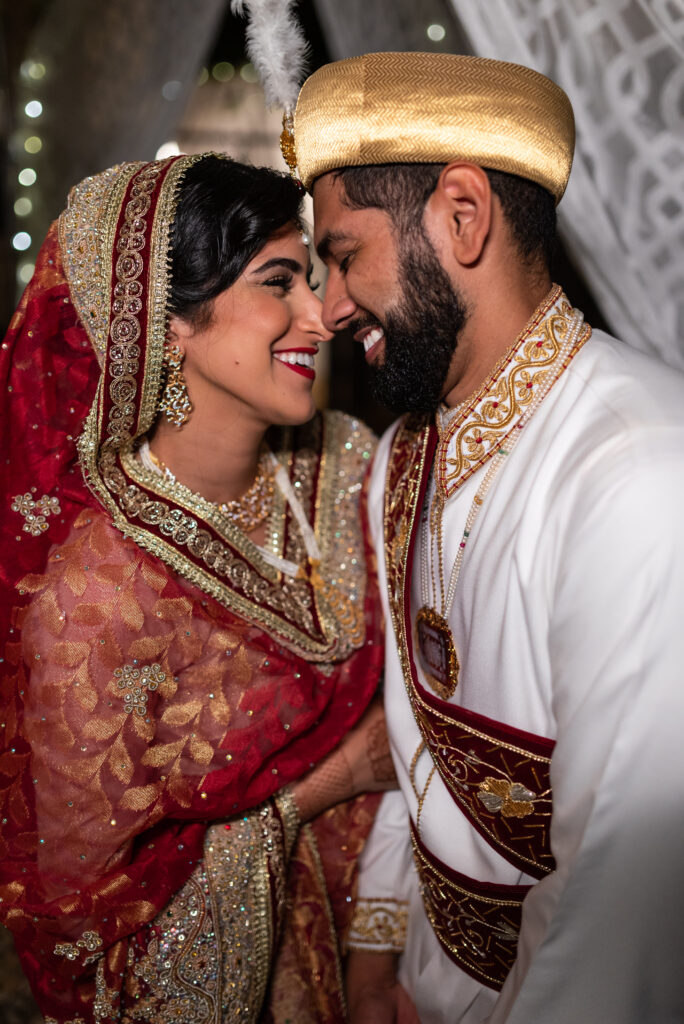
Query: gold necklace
(251, 508)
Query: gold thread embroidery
(478, 930)
(104, 1007)
(176, 977)
(266, 597)
(379, 924)
(208, 959)
(481, 425)
(135, 680)
(86, 235)
(310, 837)
(512, 799)
(289, 814)
(35, 512)
(89, 941)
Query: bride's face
(255, 358)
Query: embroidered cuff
(379, 926)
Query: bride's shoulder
(351, 433)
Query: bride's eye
(281, 281)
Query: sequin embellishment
(89, 942)
(511, 799)
(35, 513)
(135, 680)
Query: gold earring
(175, 401)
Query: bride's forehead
(287, 243)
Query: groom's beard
(421, 333)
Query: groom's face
(392, 293)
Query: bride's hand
(361, 763)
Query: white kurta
(568, 621)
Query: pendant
(437, 652)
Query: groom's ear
(458, 214)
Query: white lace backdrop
(622, 219)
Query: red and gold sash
(497, 775)
(477, 924)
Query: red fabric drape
(104, 811)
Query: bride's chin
(295, 416)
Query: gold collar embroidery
(476, 429)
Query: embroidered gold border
(86, 238)
(310, 837)
(484, 421)
(474, 906)
(379, 925)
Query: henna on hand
(378, 749)
(330, 782)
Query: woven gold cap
(434, 108)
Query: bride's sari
(162, 680)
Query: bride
(189, 620)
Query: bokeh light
(27, 177)
(172, 90)
(436, 33)
(167, 149)
(34, 108)
(32, 69)
(248, 73)
(21, 241)
(223, 71)
(25, 272)
(33, 144)
(23, 206)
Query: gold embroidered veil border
(122, 219)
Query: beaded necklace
(251, 508)
(278, 477)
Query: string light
(33, 75)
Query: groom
(527, 516)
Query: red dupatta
(156, 674)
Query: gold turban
(386, 108)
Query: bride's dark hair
(226, 212)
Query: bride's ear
(178, 331)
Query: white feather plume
(276, 47)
